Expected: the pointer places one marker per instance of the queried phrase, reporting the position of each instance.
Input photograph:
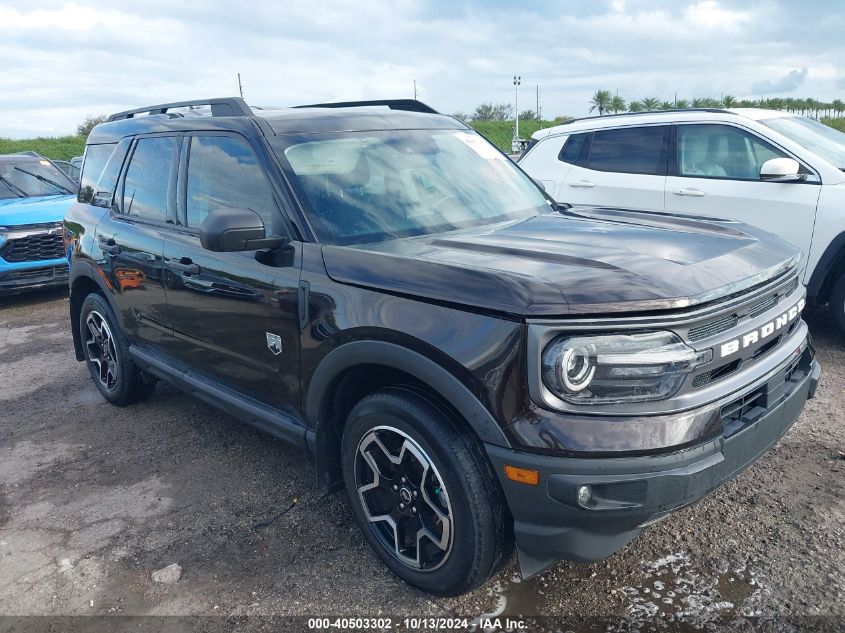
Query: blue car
(34, 197)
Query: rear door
(235, 316)
(131, 237)
(715, 172)
(621, 167)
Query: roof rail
(410, 105)
(226, 106)
(640, 112)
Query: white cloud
(62, 62)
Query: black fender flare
(321, 438)
(84, 269)
(413, 363)
(818, 288)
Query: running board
(269, 419)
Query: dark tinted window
(96, 157)
(572, 148)
(151, 178)
(223, 171)
(629, 150)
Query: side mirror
(230, 229)
(782, 170)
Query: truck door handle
(582, 184)
(185, 266)
(108, 245)
(690, 193)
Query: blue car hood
(37, 210)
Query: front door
(716, 173)
(235, 315)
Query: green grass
(500, 133)
(838, 123)
(57, 148)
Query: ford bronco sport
(378, 285)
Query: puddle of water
(674, 590)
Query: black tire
(107, 355)
(836, 304)
(460, 494)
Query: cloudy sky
(62, 61)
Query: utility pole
(240, 86)
(538, 104)
(415, 89)
(517, 80)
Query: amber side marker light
(522, 475)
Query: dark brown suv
(378, 285)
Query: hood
(585, 260)
(37, 210)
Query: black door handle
(109, 246)
(185, 266)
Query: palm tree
(682, 104)
(617, 104)
(728, 101)
(698, 102)
(636, 106)
(838, 107)
(667, 105)
(651, 103)
(600, 101)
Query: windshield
(16, 183)
(361, 187)
(817, 137)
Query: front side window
(223, 171)
(638, 150)
(722, 151)
(150, 183)
(96, 157)
(373, 186)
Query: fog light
(584, 494)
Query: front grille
(729, 321)
(33, 248)
(711, 328)
(743, 411)
(34, 276)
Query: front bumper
(25, 276)
(629, 493)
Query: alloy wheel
(101, 350)
(404, 498)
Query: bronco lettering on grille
(763, 332)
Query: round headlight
(575, 370)
(569, 366)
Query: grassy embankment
(66, 147)
(499, 133)
(58, 148)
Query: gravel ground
(93, 499)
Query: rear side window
(150, 182)
(94, 163)
(572, 148)
(639, 150)
(223, 171)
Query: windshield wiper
(45, 179)
(15, 189)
